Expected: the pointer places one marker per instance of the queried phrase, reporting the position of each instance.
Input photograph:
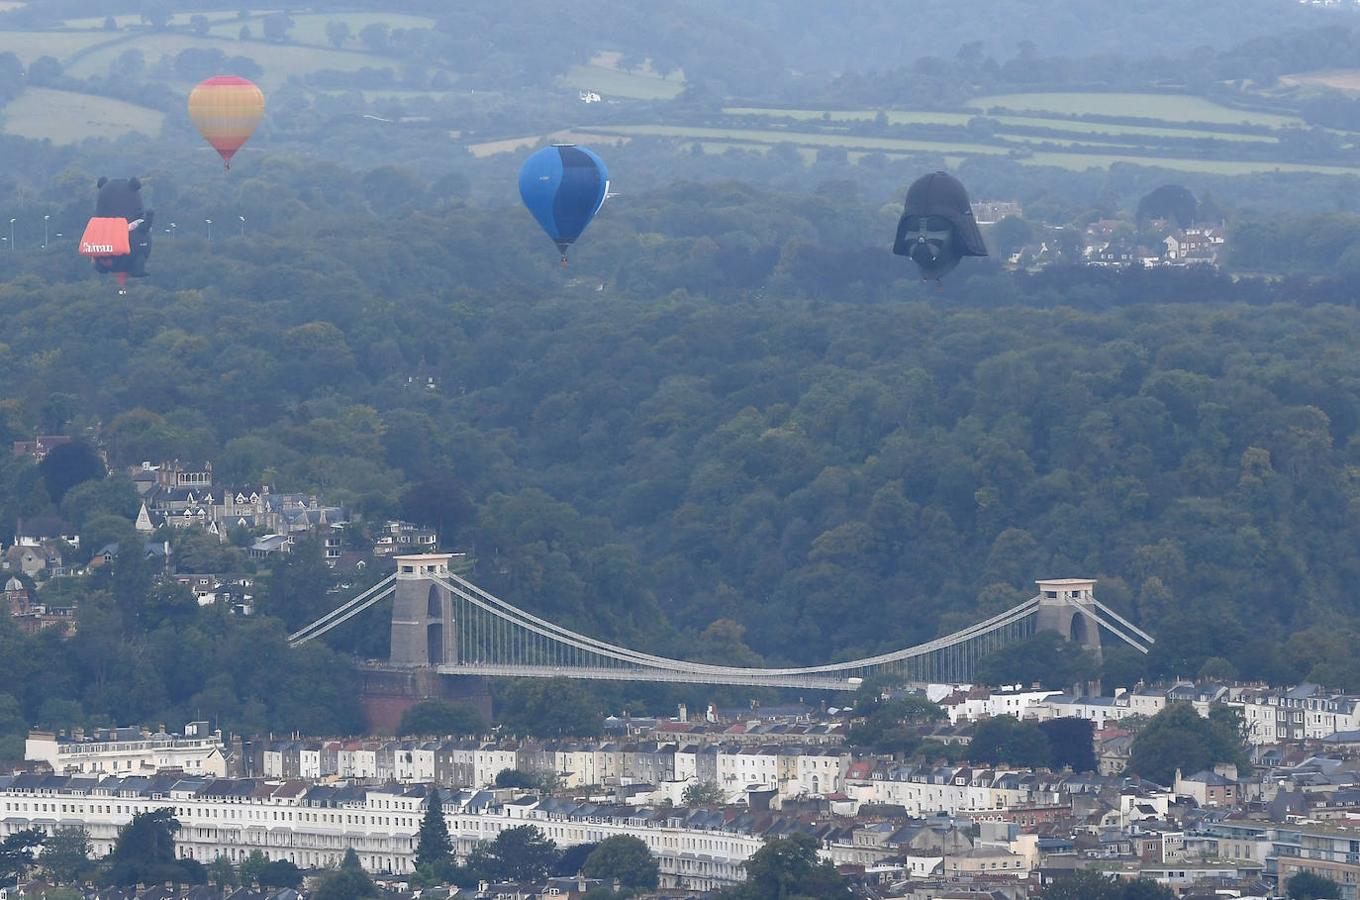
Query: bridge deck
(809, 682)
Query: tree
(221, 872)
(1310, 886)
(67, 465)
(344, 884)
(549, 708)
(1045, 658)
(1178, 737)
(626, 858)
(440, 717)
(280, 873)
(892, 726)
(276, 26)
(1087, 884)
(145, 852)
(374, 37)
(433, 846)
(1010, 234)
(440, 502)
(44, 70)
(517, 854)
(788, 868)
(514, 778)
(66, 854)
(1072, 742)
(17, 852)
(337, 32)
(703, 793)
(13, 728)
(251, 866)
(1006, 739)
(296, 589)
(157, 13)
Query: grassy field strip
(65, 117)
(1090, 141)
(901, 117)
(1167, 107)
(1337, 79)
(609, 59)
(1082, 161)
(280, 61)
(29, 45)
(806, 139)
(1117, 131)
(611, 83)
(509, 145)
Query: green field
(29, 45)
(1082, 161)
(64, 117)
(798, 138)
(611, 83)
(1167, 107)
(711, 139)
(280, 61)
(909, 117)
(894, 116)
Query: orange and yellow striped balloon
(226, 109)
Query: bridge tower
(422, 613)
(1066, 605)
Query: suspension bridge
(442, 621)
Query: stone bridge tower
(1066, 605)
(422, 613)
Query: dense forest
(732, 430)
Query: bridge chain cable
(344, 612)
(1137, 632)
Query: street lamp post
(209, 221)
(172, 229)
(11, 234)
(243, 225)
(45, 218)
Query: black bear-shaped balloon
(121, 198)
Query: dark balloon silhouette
(937, 228)
(118, 238)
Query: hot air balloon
(937, 228)
(226, 109)
(564, 187)
(118, 238)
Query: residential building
(132, 751)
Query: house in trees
(187, 497)
(398, 537)
(41, 445)
(30, 616)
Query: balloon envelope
(937, 227)
(563, 186)
(226, 110)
